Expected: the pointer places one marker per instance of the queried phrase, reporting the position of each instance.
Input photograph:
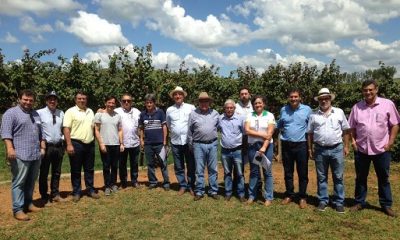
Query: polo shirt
(373, 123)
(293, 123)
(81, 123)
(259, 124)
(243, 110)
(177, 122)
(52, 130)
(152, 124)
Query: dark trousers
(133, 154)
(110, 165)
(54, 156)
(381, 165)
(295, 153)
(83, 157)
(182, 155)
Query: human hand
(70, 150)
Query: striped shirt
(152, 123)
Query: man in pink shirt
(374, 122)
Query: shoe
(76, 198)
(124, 185)
(340, 209)
(286, 201)
(57, 198)
(107, 191)
(357, 207)
(181, 191)
(228, 198)
(94, 195)
(135, 185)
(191, 192)
(166, 188)
(388, 211)
(250, 201)
(45, 201)
(242, 199)
(152, 186)
(21, 216)
(33, 208)
(302, 203)
(197, 197)
(321, 207)
(214, 196)
(267, 203)
(114, 188)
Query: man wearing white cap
(327, 127)
(177, 121)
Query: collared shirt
(81, 123)
(372, 124)
(259, 124)
(24, 130)
(51, 124)
(231, 130)
(130, 126)
(293, 123)
(327, 130)
(203, 127)
(177, 122)
(242, 110)
(152, 123)
(109, 127)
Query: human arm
(392, 137)
(310, 140)
(165, 134)
(270, 132)
(10, 150)
(346, 140)
(68, 142)
(353, 139)
(42, 148)
(121, 139)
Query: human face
(81, 101)
(204, 105)
(26, 102)
(178, 97)
(52, 103)
(229, 109)
(244, 96)
(126, 102)
(150, 105)
(325, 103)
(370, 92)
(258, 105)
(110, 105)
(294, 100)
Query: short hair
(27, 92)
(244, 88)
(229, 101)
(81, 92)
(126, 94)
(253, 99)
(108, 98)
(369, 82)
(150, 97)
(294, 90)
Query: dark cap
(51, 94)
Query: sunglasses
(126, 100)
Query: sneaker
(321, 207)
(388, 211)
(114, 188)
(340, 209)
(107, 192)
(21, 216)
(76, 198)
(94, 195)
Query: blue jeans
(83, 157)
(255, 174)
(325, 157)
(133, 161)
(150, 150)
(382, 166)
(206, 154)
(181, 155)
(110, 165)
(24, 174)
(229, 159)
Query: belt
(206, 142)
(233, 149)
(328, 147)
(293, 144)
(59, 144)
(80, 142)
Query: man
(25, 145)
(79, 137)
(202, 138)
(293, 126)
(327, 127)
(177, 122)
(153, 137)
(51, 122)
(130, 133)
(231, 126)
(375, 123)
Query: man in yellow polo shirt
(78, 133)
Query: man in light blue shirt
(177, 122)
(293, 126)
(51, 122)
(231, 127)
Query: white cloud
(37, 38)
(28, 25)
(93, 30)
(18, 7)
(379, 11)
(9, 38)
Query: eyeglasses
(126, 100)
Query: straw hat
(177, 89)
(324, 92)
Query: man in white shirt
(177, 121)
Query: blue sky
(228, 34)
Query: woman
(108, 133)
(259, 126)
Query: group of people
(37, 139)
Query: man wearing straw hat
(177, 121)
